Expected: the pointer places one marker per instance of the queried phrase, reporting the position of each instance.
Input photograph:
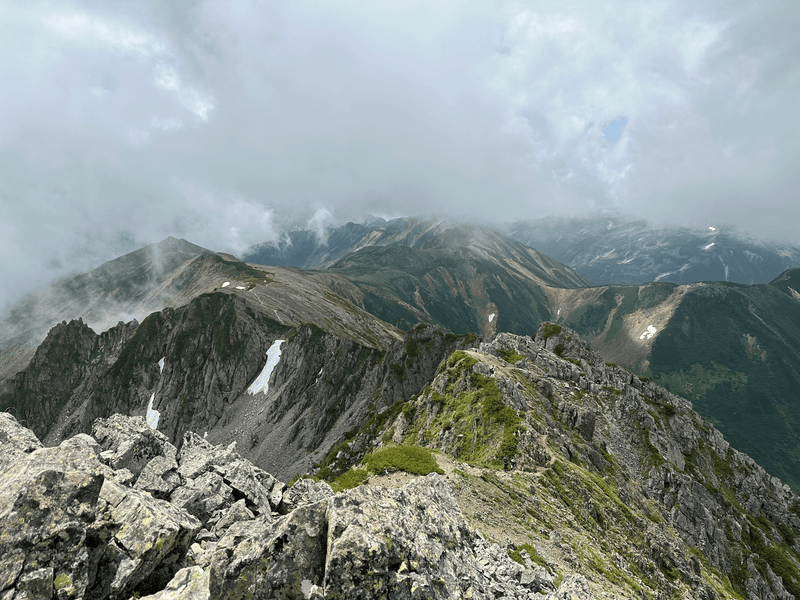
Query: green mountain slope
(732, 349)
(465, 279)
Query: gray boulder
(48, 500)
(130, 443)
(304, 491)
(191, 583)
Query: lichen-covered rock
(410, 542)
(203, 496)
(35, 585)
(236, 513)
(191, 583)
(574, 587)
(15, 440)
(197, 456)
(241, 476)
(152, 538)
(47, 516)
(304, 491)
(159, 477)
(130, 443)
(272, 560)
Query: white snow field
(261, 384)
(152, 414)
(649, 333)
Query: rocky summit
(125, 514)
(526, 467)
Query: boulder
(191, 583)
(130, 443)
(304, 491)
(48, 500)
(151, 537)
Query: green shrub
(550, 329)
(508, 447)
(409, 410)
(411, 459)
(510, 356)
(349, 479)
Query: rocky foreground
(124, 514)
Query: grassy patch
(411, 459)
(778, 557)
(534, 556)
(510, 356)
(349, 479)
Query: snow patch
(152, 414)
(226, 284)
(261, 384)
(709, 246)
(712, 228)
(240, 287)
(649, 333)
(491, 317)
(161, 365)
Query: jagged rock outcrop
(67, 362)
(78, 523)
(616, 485)
(623, 480)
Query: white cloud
(267, 112)
(85, 29)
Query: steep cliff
(195, 366)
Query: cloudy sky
(124, 122)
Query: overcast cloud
(124, 122)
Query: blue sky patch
(613, 130)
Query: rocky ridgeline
(197, 363)
(124, 514)
(616, 478)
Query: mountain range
(616, 250)
(392, 338)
